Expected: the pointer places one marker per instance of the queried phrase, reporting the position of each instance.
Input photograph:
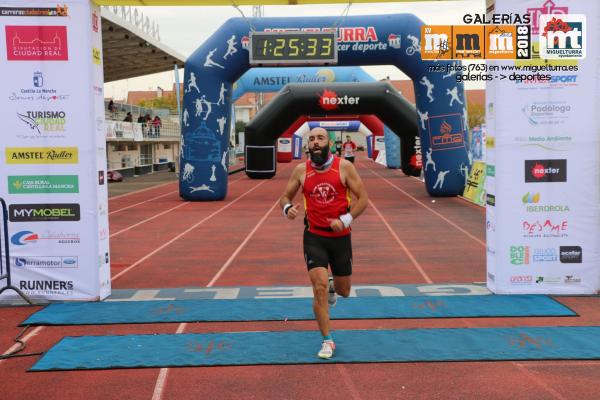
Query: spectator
(128, 117)
(111, 106)
(140, 119)
(148, 122)
(157, 123)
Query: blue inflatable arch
(264, 80)
(363, 40)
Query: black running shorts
(323, 251)
(350, 158)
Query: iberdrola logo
(529, 198)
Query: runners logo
(562, 37)
(30, 43)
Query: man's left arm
(355, 184)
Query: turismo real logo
(36, 43)
(43, 212)
(546, 170)
(36, 184)
(41, 155)
(43, 122)
(562, 36)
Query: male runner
(326, 182)
(349, 147)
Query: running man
(326, 182)
(349, 147)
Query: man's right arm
(290, 191)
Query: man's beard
(319, 158)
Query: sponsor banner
(43, 212)
(475, 187)
(50, 164)
(42, 155)
(546, 156)
(36, 184)
(44, 262)
(36, 43)
(284, 145)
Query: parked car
(114, 176)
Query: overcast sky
(185, 28)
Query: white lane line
(142, 202)
(473, 237)
(141, 260)
(155, 216)
(164, 372)
(401, 243)
(141, 190)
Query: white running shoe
(327, 349)
(332, 299)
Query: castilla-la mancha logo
(36, 43)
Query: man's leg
(342, 285)
(319, 279)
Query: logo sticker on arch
(446, 132)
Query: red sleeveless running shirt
(325, 198)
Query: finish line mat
(135, 312)
(353, 346)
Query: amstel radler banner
(543, 195)
(53, 149)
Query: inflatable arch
(369, 125)
(295, 100)
(362, 40)
(261, 80)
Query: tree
(168, 101)
(476, 114)
(240, 126)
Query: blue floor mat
(134, 312)
(354, 346)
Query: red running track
(160, 241)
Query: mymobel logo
(41, 155)
(546, 170)
(446, 131)
(562, 36)
(571, 254)
(329, 100)
(43, 212)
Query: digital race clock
(284, 48)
